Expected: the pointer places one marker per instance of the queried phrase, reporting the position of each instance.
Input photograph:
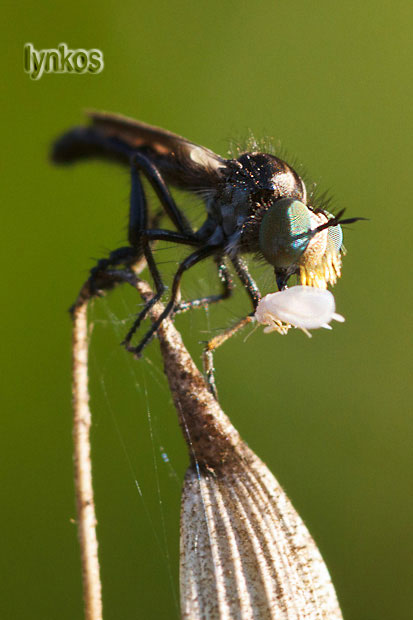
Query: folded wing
(112, 137)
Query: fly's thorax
(262, 172)
(234, 216)
(230, 208)
(227, 211)
(253, 182)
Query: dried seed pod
(245, 552)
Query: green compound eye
(335, 237)
(285, 232)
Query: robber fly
(254, 204)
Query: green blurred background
(331, 416)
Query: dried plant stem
(82, 420)
(86, 517)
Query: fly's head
(293, 237)
(297, 240)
